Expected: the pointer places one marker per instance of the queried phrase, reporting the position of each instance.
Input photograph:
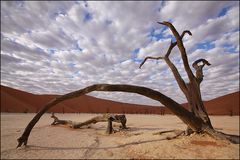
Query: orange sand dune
(224, 105)
(13, 100)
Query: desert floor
(140, 141)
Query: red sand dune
(13, 100)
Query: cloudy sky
(58, 47)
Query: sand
(140, 141)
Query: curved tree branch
(157, 58)
(204, 61)
(184, 32)
(181, 48)
(187, 117)
(198, 67)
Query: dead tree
(121, 118)
(57, 121)
(196, 119)
(191, 90)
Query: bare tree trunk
(187, 117)
(193, 87)
(196, 104)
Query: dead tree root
(211, 132)
(222, 136)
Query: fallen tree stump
(121, 118)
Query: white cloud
(58, 47)
(189, 15)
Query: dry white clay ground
(138, 142)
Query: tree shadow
(144, 128)
(36, 147)
(101, 127)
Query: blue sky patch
(51, 50)
(136, 51)
(205, 45)
(87, 17)
(71, 65)
(154, 34)
(223, 11)
(230, 48)
(134, 56)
